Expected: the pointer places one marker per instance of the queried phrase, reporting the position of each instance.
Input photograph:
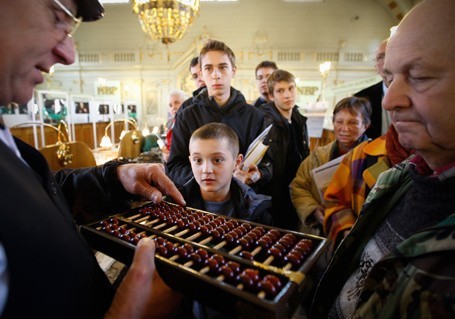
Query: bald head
(420, 70)
(429, 23)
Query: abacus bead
(263, 243)
(275, 252)
(213, 265)
(268, 287)
(170, 247)
(126, 237)
(290, 236)
(229, 238)
(271, 235)
(204, 229)
(285, 242)
(203, 253)
(280, 247)
(274, 279)
(106, 229)
(159, 241)
(218, 258)
(246, 254)
(302, 251)
(293, 259)
(161, 250)
(275, 232)
(104, 223)
(247, 226)
(113, 220)
(228, 273)
(246, 280)
(235, 266)
(297, 253)
(115, 232)
(230, 224)
(244, 242)
(182, 252)
(196, 258)
(253, 235)
(181, 224)
(188, 248)
(216, 233)
(242, 228)
(268, 239)
(238, 232)
(253, 273)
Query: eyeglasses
(74, 23)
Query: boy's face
(217, 73)
(197, 76)
(284, 94)
(213, 165)
(262, 76)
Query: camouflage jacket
(416, 280)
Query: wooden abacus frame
(201, 284)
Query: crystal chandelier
(166, 20)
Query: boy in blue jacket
(214, 155)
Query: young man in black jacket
(289, 145)
(220, 103)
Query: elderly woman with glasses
(351, 117)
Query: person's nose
(397, 94)
(344, 127)
(64, 51)
(207, 167)
(216, 74)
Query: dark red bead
(246, 254)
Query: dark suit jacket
(52, 271)
(374, 93)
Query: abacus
(238, 267)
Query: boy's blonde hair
(218, 132)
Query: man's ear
(234, 69)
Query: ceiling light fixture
(166, 20)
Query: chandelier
(166, 20)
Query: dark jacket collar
(271, 110)
(235, 98)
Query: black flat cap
(89, 10)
